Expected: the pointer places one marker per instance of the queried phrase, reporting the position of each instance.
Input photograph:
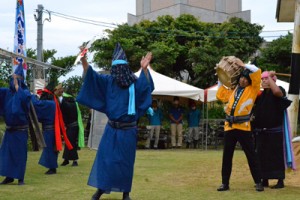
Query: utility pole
(39, 20)
(39, 76)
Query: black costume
(268, 129)
(69, 111)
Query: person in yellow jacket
(237, 127)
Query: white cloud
(65, 36)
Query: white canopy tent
(166, 86)
(98, 123)
(165, 89)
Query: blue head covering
(124, 77)
(119, 56)
(120, 69)
(20, 72)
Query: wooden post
(295, 72)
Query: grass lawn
(159, 175)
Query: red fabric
(259, 93)
(59, 125)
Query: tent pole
(90, 139)
(206, 126)
(203, 117)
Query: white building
(214, 11)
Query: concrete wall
(233, 6)
(215, 11)
(210, 5)
(159, 4)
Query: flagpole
(20, 37)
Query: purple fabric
(288, 151)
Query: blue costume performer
(124, 98)
(14, 107)
(45, 109)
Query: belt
(17, 128)
(122, 125)
(48, 127)
(269, 130)
(73, 124)
(237, 119)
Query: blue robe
(45, 110)
(14, 107)
(113, 167)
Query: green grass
(159, 175)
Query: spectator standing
(193, 119)
(176, 116)
(155, 124)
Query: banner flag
(20, 37)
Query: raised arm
(16, 84)
(145, 61)
(275, 89)
(251, 67)
(85, 64)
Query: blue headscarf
(20, 72)
(120, 69)
(124, 77)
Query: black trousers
(72, 133)
(269, 146)
(246, 140)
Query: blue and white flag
(20, 37)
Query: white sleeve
(251, 67)
(219, 84)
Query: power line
(82, 20)
(288, 30)
(208, 34)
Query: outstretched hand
(272, 74)
(239, 62)
(83, 59)
(145, 61)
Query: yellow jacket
(245, 103)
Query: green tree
(184, 43)
(5, 72)
(63, 62)
(49, 57)
(72, 87)
(277, 55)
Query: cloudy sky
(65, 36)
